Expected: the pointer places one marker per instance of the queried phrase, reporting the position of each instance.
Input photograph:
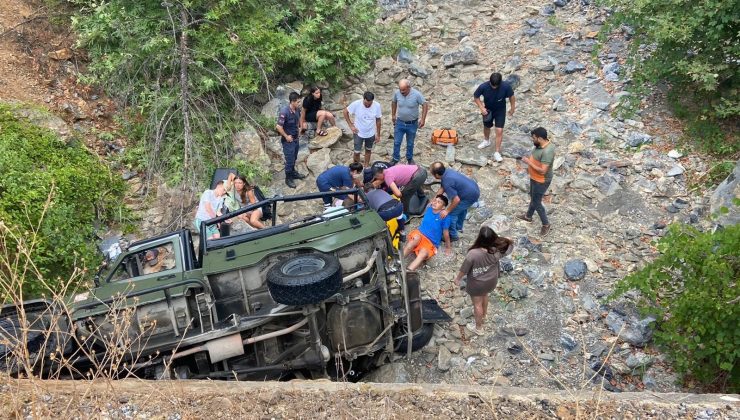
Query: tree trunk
(184, 94)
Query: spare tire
(305, 279)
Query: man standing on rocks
(493, 110)
(405, 117)
(540, 176)
(462, 192)
(366, 126)
(287, 126)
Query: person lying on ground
(423, 242)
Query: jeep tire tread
(305, 279)
(421, 338)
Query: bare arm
(302, 121)
(394, 106)
(453, 203)
(424, 111)
(540, 168)
(282, 132)
(377, 130)
(448, 243)
(482, 107)
(395, 189)
(349, 120)
(458, 277)
(512, 101)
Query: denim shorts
(367, 141)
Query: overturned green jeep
(323, 296)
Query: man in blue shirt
(493, 110)
(287, 126)
(338, 178)
(462, 192)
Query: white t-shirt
(364, 117)
(208, 196)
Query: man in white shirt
(366, 125)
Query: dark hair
(490, 241)
(243, 192)
(314, 89)
(438, 168)
(368, 96)
(444, 199)
(355, 167)
(368, 186)
(495, 79)
(539, 132)
(293, 96)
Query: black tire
(421, 338)
(305, 279)
(12, 342)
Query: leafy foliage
(692, 288)
(36, 166)
(695, 46)
(186, 70)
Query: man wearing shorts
(209, 208)
(424, 241)
(493, 110)
(366, 126)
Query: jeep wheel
(19, 350)
(421, 338)
(305, 279)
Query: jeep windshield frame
(206, 244)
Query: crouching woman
(481, 266)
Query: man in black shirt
(493, 110)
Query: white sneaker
(472, 328)
(484, 144)
(497, 157)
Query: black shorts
(311, 116)
(495, 118)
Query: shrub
(57, 191)
(695, 47)
(692, 288)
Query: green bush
(186, 70)
(35, 166)
(694, 46)
(693, 290)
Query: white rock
(675, 154)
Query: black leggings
(537, 191)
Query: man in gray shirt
(405, 117)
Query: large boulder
(248, 146)
(333, 134)
(280, 99)
(465, 55)
(319, 161)
(723, 197)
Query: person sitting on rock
(312, 112)
(424, 241)
(337, 178)
(209, 208)
(240, 193)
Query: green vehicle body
(216, 312)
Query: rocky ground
(618, 183)
(319, 399)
